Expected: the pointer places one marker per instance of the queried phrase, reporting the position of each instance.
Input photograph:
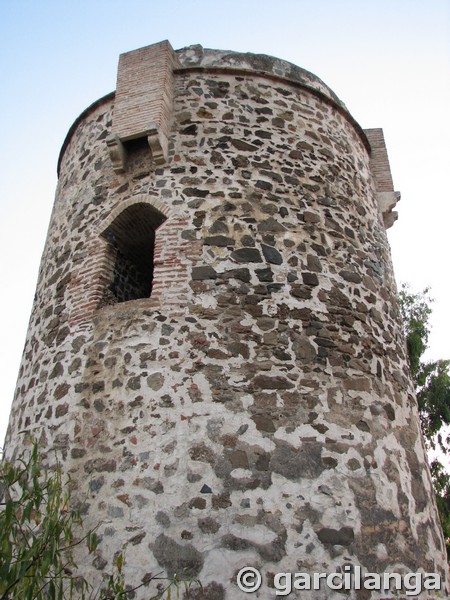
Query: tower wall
(257, 408)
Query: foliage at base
(38, 534)
(432, 385)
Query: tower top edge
(196, 57)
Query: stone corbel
(387, 202)
(158, 143)
(117, 153)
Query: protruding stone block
(387, 202)
(117, 153)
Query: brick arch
(172, 257)
(156, 203)
(130, 238)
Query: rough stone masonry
(215, 348)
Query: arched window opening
(131, 242)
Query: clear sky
(388, 60)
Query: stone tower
(215, 348)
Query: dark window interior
(131, 240)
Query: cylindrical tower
(215, 347)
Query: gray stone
(313, 263)
(303, 349)
(271, 254)
(202, 453)
(61, 410)
(96, 484)
(162, 518)
(208, 525)
(137, 539)
(293, 463)
(100, 465)
(264, 423)
(134, 383)
(218, 227)
(244, 146)
(198, 503)
(271, 225)
(310, 279)
(203, 272)
(341, 537)
(232, 542)
(242, 274)
(195, 192)
(61, 391)
(239, 459)
(245, 255)
(264, 275)
(268, 382)
(351, 276)
(155, 381)
(274, 551)
(115, 512)
(219, 240)
(184, 560)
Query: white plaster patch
(241, 474)
(205, 300)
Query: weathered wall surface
(257, 408)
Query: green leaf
(119, 562)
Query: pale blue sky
(388, 60)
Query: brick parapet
(381, 171)
(144, 93)
(379, 161)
